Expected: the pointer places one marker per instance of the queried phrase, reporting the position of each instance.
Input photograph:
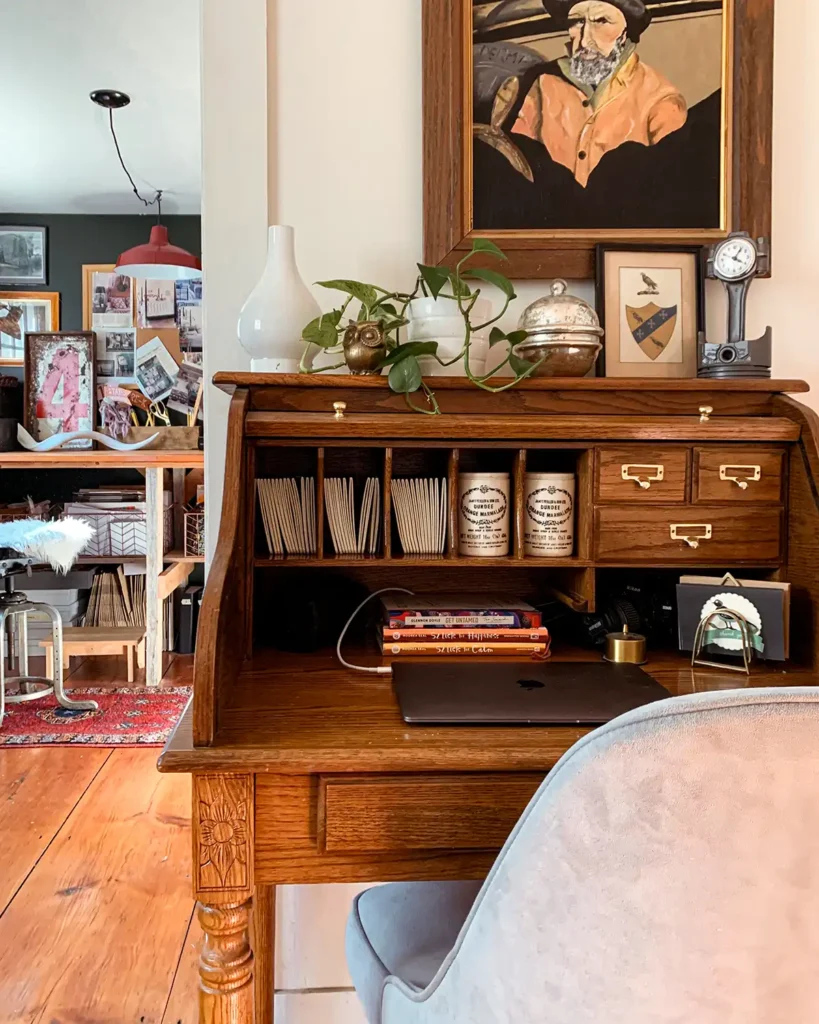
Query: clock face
(735, 258)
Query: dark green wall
(75, 239)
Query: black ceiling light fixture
(157, 259)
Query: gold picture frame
(456, 130)
(21, 313)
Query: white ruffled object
(57, 543)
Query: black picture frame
(17, 281)
(698, 251)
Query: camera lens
(727, 354)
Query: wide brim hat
(637, 15)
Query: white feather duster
(57, 543)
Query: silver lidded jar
(564, 331)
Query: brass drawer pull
(741, 475)
(339, 408)
(642, 474)
(703, 533)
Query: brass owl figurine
(364, 347)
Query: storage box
(120, 528)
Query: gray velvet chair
(666, 871)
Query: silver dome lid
(560, 313)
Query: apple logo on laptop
(530, 684)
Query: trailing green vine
(389, 310)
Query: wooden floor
(95, 893)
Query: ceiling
(57, 152)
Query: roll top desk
(304, 771)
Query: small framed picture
(59, 385)
(22, 256)
(650, 301)
(20, 314)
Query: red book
(538, 635)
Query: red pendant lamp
(157, 259)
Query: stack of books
(459, 625)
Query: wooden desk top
(229, 381)
(298, 714)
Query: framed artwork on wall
(651, 307)
(23, 256)
(59, 384)
(20, 313)
(553, 125)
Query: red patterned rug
(127, 717)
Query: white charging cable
(381, 670)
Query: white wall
(344, 120)
(234, 203)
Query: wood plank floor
(95, 905)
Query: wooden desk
(304, 771)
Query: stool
(14, 611)
(98, 640)
(24, 543)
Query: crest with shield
(652, 327)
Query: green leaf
(323, 330)
(435, 278)
(385, 307)
(484, 245)
(520, 365)
(492, 277)
(388, 326)
(516, 337)
(459, 286)
(405, 376)
(411, 348)
(363, 292)
(496, 335)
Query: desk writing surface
(304, 713)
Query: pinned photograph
(22, 256)
(156, 370)
(190, 327)
(116, 356)
(157, 304)
(111, 301)
(189, 292)
(186, 390)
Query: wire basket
(194, 534)
(120, 533)
(31, 510)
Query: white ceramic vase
(440, 320)
(277, 310)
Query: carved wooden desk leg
(225, 965)
(223, 882)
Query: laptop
(520, 693)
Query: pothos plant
(389, 310)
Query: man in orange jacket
(600, 94)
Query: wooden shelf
(180, 556)
(171, 556)
(159, 459)
(228, 382)
(417, 561)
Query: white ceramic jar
(548, 530)
(440, 320)
(483, 509)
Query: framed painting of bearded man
(553, 125)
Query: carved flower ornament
(222, 836)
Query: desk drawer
(365, 814)
(718, 534)
(744, 474)
(642, 474)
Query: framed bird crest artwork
(650, 303)
(553, 125)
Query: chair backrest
(666, 871)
